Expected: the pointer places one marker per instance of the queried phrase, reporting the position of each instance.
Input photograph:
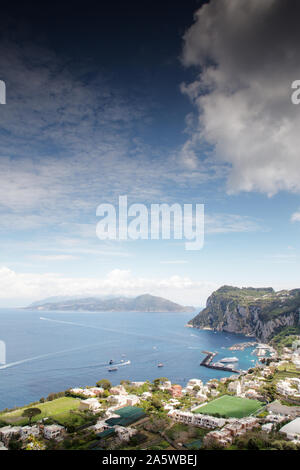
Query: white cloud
(27, 287)
(179, 261)
(230, 223)
(67, 144)
(54, 257)
(295, 217)
(248, 55)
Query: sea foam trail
(43, 356)
(111, 330)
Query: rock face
(261, 313)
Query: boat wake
(42, 356)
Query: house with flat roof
(27, 431)
(9, 432)
(91, 404)
(53, 431)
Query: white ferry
(229, 359)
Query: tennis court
(128, 415)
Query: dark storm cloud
(248, 52)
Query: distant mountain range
(142, 303)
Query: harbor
(207, 362)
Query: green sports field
(230, 407)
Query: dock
(207, 362)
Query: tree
(30, 413)
(104, 383)
(14, 444)
(156, 403)
(125, 382)
(269, 391)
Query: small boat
(112, 369)
(160, 364)
(126, 362)
(111, 361)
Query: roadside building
(196, 419)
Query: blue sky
(161, 106)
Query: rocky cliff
(261, 313)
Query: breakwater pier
(207, 362)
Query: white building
(137, 384)
(251, 393)
(201, 397)
(289, 387)
(197, 419)
(132, 400)
(87, 392)
(125, 434)
(235, 387)
(275, 418)
(100, 426)
(268, 427)
(91, 404)
(292, 430)
(9, 432)
(98, 391)
(165, 385)
(118, 390)
(53, 431)
(27, 431)
(235, 428)
(195, 382)
(118, 400)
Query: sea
(48, 352)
